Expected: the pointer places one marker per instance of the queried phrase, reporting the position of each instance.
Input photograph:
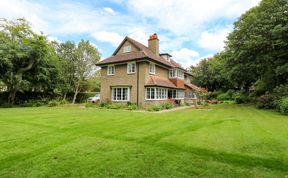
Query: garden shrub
(156, 107)
(90, 105)
(6, 105)
(240, 97)
(166, 105)
(64, 102)
(53, 103)
(115, 106)
(283, 105)
(214, 94)
(34, 103)
(188, 104)
(230, 93)
(132, 106)
(266, 101)
(103, 104)
(224, 96)
(229, 102)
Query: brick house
(139, 74)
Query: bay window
(156, 93)
(177, 94)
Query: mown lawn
(223, 141)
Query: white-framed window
(180, 74)
(174, 73)
(152, 69)
(120, 94)
(131, 67)
(111, 70)
(177, 94)
(127, 49)
(156, 93)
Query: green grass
(223, 141)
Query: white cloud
(186, 57)
(108, 10)
(109, 37)
(139, 34)
(13, 9)
(179, 23)
(214, 40)
(188, 16)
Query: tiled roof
(195, 87)
(144, 52)
(123, 57)
(159, 81)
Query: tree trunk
(75, 93)
(11, 97)
(65, 94)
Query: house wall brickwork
(127, 43)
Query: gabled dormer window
(131, 67)
(111, 70)
(127, 49)
(152, 69)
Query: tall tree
(86, 56)
(211, 73)
(257, 49)
(67, 54)
(20, 50)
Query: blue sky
(188, 29)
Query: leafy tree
(86, 56)
(257, 49)
(66, 54)
(20, 50)
(211, 73)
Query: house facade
(139, 74)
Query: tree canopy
(30, 62)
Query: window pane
(118, 94)
(152, 93)
(148, 93)
(152, 68)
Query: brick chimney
(153, 44)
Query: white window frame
(111, 70)
(121, 89)
(178, 94)
(176, 73)
(172, 73)
(153, 67)
(127, 49)
(129, 67)
(158, 93)
(180, 74)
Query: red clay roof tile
(159, 81)
(144, 52)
